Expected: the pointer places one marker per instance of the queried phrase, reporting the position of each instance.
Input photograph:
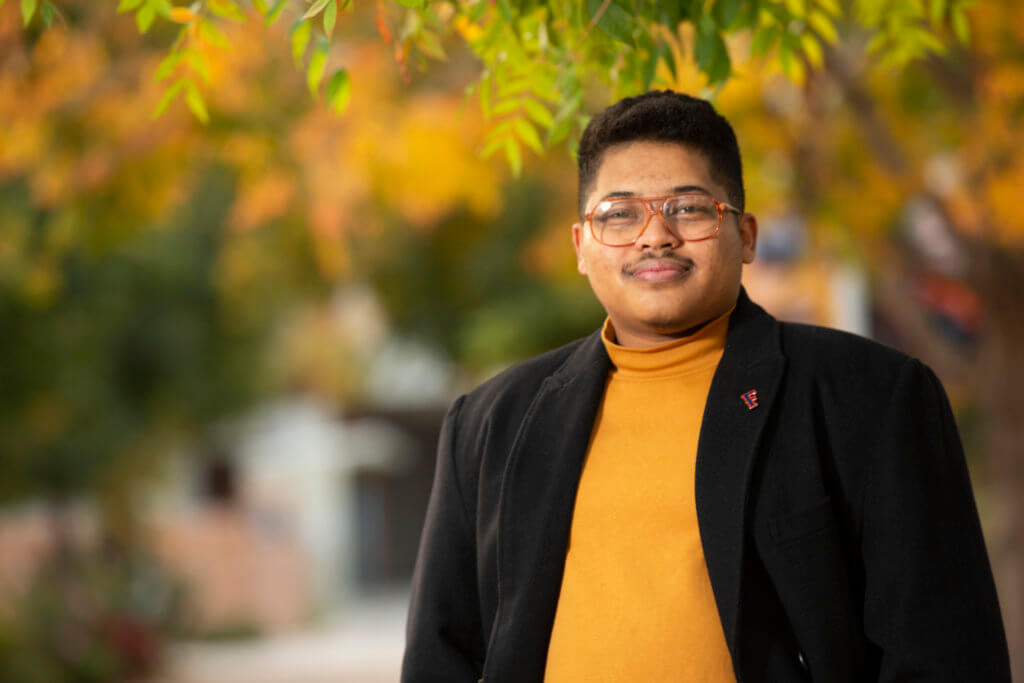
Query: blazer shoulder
(825, 347)
(844, 364)
(521, 381)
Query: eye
(692, 207)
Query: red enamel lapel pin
(750, 398)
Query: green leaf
(937, 10)
(128, 5)
(514, 156)
(144, 17)
(726, 11)
(788, 47)
(410, 3)
(275, 12)
(429, 44)
(485, 96)
(563, 120)
(721, 67)
(528, 134)
(514, 87)
(47, 12)
(617, 23)
(339, 90)
(876, 44)
(315, 9)
(506, 107)
(538, 112)
(28, 8)
(961, 27)
(198, 63)
(929, 41)
(763, 41)
(747, 17)
(226, 9)
(494, 143)
(213, 35)
(162, 7)
(559, 131)
(168, 97)
(710, 52)
(475, 11)
(330, 18)
(300, 39)
(261, 6)
(194, 100)
(166, 66)
(315, 70)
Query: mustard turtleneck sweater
(636, 602)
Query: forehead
(646, 167)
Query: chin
(669, 322)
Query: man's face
(662, 286)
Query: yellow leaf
(182, 15)
(514, 156)
(315, 70)
(469, 31)
(825, 27)
(194, 100)
(812, 48)
(831, 6)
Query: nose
(656, 234)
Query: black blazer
(838, 524)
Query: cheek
(720, 255)
(594, 259)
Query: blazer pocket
(793, 526)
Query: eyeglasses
(691, 217)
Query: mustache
(630, 268)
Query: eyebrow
(675, 190)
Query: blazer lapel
(734, 419)
(536, 505)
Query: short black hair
(663, 116)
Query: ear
(577, 244)
(748, 235)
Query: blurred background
(226, 349)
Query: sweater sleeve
(930, 602)
(444, 640)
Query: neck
(644, 339)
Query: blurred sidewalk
(362, 646)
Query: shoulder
(834, 352)
(510, 392)
(852, 377)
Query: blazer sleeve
(930, 601)
(444, 640)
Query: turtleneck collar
(680, 356)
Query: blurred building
(297, 512)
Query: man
(697, 492)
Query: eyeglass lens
(620, 221)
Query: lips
(660, 270)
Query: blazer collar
(536, 503)
(740, 402)
(543, 469)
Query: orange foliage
(77, 103)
